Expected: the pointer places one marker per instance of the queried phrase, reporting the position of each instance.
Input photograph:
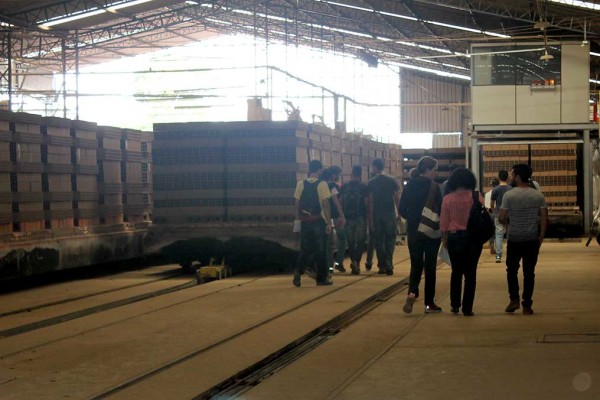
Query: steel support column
(474, 161)
(588, 201)
(64, 76)
(6, 69)
(76, 76)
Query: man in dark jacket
(423, 249)
(383, 203)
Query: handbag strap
(476, 202)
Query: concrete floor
(554, 354)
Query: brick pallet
(445, 158)
(247, 171)
(53, 170)
(554, 168)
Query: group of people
(358, 214)
(436, 215)
(518, 209)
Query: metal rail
(85, 296)
(253, 375)
(92, 310)
(280, 358)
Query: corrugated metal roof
(432, 104)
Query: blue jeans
(500, 231)
(423, 255)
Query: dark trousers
(384, 232)
(515, 252)
(370, 249)
(312, 249)
(341, 243)
(423, 255)
(464, 256)
(356, 235)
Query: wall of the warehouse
(433, 104)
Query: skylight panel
(577, 3)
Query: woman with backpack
(463, 250)
(421, 198)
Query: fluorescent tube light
(71, 18)
(121, 5)
(577, 3)
(114, 7)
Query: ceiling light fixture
(113, 8)
(546, 56)
(541, 25)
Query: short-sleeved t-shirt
(383, 187)
(333, 188)
(497, 195)
(487, 199)
(523, 205)
(322, 190)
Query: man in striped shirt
(524, 212)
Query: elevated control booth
(531, 105)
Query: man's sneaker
(513, 306)
(498, 259)
(324, 283)
(296, 280)
(527, 311)
(339, 267)
(432, 308)
(310, 273)
(389, 271)
(408, 306)
(355, 268)
(368, 266)
(382, 271)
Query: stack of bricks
(247, 171)
(85, 199)
(59, 157)
(501, 157)
(25, 172)
(110, 175)
(135, 177)
(52, 174)
(445, 158)
(188, 173)
(554, 168)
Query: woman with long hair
(464, 253)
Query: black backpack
(352, 200)
(480, 226)
(310, 205)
